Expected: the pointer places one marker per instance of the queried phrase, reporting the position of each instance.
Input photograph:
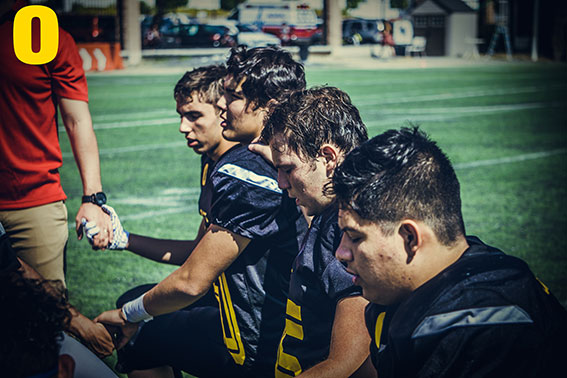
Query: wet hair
(309, 118)
(205, 82)
(270, 72)
(402, 174)
(31, 324)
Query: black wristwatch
(96, 198)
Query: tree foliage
(230, 4)
(164, 6)
(352, 4)
(399, 4)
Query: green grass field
(503, 126)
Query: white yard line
(144, 147)
(380, 100)
(510, 159)
(140, 114)
(135, 123)
(466, 109)
(421, 80)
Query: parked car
(171, 34)
(252, 36)
(357, 31)
(203, 35)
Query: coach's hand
(120, 235)
(117, 318)
(94, 213)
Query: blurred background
(126, 31)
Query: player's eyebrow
(348, 229)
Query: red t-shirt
(30, 155)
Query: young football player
(444, 304)
(325, 336)
(192, 339)
(253, 228)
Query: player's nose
(185, 126)
(283, 182)
(221, 103)
(343, 252)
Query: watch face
(100, 198)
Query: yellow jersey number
(231, 332)
(286, 363)
(49, 32)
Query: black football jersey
(318, 281)
(240, 193)
(484, 316)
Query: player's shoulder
(241, 155)
(241, 164)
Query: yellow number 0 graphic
(49, 32)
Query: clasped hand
(120, 329)
(120, 236)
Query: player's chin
(234, 136)
(199, 149)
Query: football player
(444, 304)
(253, 228)
(190, 339)
(325, 336)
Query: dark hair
(271, 73)
(31, 325)
(402, 174)
(311, 117)
(206, 82)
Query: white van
(292, 22)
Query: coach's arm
(78, 124)
(216, 251)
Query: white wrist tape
(135, 312)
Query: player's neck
(222, 148)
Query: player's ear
(66, 368)
(330, 155)
(412, 238)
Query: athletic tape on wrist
(135, 312)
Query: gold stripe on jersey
(378, 331)
(545, 288)
(286, 364)
(231, 335)
(293, 310)
(204, 175)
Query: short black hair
(271, 73)
(402, 174)
(31, 324)
(309, 118)
(205, 81)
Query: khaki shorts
(39, 236)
